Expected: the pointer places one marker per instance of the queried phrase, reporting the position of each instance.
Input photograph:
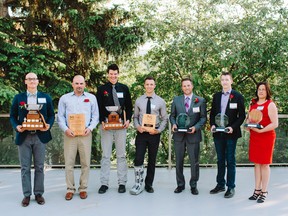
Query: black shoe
(194, 191)
(229, 193)
(121, 189)
(149, 189)
(262, 197)
(103, 189)
(217, 189)
(179, 189)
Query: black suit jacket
(17, 115)
(236, 116)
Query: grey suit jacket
(198, 117)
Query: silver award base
(221, 129)
(254, 125)
(183, 130)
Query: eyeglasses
(31, 79)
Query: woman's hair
(268, 90)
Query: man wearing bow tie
(230, 103)
(32, 143)
(195, 108)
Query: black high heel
(255, 195)
(262, 197)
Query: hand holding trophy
(114, 121)
(34, 119)
(221, 122)
(182, 122)
(255, 116)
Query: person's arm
(94, 113)
(163, 117)
(203, 116)
(61, 116)
(50, 113)
(173, 114)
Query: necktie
(148, 107)
(187, 105)
(115, 97)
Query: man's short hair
(225, 73)
(149, 78)
(186, 79)
(113, 67)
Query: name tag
(120, 94)
(42, 100)
(196, 109)
(233, 105)
(153, 106)
(260, 108)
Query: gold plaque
(76, 123)
(149, 122)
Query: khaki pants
(71, 146)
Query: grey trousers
(32, 147)
(107, 139)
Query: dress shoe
(217, 189)
(103, 189)
(69, 196)
(40, 199)
(229, 193)
(121, 189)
(179, 189)
(83, 194)
(149, 189)
(194, 191)
(25, 202)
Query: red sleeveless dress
(261, 145)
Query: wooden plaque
(149, 122)
(76, 123)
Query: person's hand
(174, 127)
(212, 128)
(153, 132)
(19, 128)
(126, 124)
(230, 130)
(256, 130)
(193, 129)
(87, 131)
(46, 128)
(140, 129)
(69, 133)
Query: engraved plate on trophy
(34, 119)
(114, 122)
(255, 116)
(149, 122)
(76, 123)
(221, 122)
(183, 123)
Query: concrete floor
(163, 202)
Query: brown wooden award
(114, 122)
(34, 119)
(76, 123)
(149, 122)
(255, 116)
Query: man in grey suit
(195, 108)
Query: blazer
(198, 117)
(236, 115)
(17, 115)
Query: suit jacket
(236, 115)
(17, 115)
(198, 117)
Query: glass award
(183, 123)
(221, 122)
(113, 122)
(255, 116)
(34, 119)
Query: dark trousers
(225, 149)
(193, 153)
(143, 141)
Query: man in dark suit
(32, 143)
(195, 107)
(230, 103)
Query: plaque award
(221, 122)
(34, 119)
(76, 123)
(255, 116)
(183, 123)
(149, 122)
(113, 122)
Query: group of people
(227, 102)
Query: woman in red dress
(262, 141)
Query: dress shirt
(72, 104)
(31, 98)
(224, 101)
(158, 107)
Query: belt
(32, 132)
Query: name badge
(196, 109)
(260, 108)
(120, 94)
(41, 100)
(153, 106)
(233, 106)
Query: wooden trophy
(34, 119)
(255, 116)
(149, 122)
(114, 122)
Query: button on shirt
(158, 107)
(84, 104)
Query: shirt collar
(190, 96)
(227, 93)
(29, 94)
